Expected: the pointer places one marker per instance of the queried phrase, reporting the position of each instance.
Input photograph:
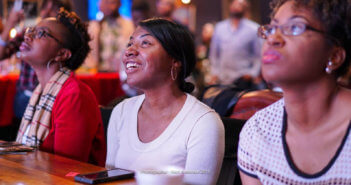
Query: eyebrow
(43, 28)
(141, 36)
(291, 18)
(146, 34)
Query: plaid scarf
(38, 112)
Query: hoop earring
(48, 65)
(60, 64)
(172, 74)
(328, 69)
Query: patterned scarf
(38, 112)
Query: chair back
(229, 174)
(105, 115)
(221, 98)
(251, 102)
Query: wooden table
(44, 168)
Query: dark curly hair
(76, 39)
(335, 16)
(178, 43)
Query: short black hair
(66, 4)
(76, 38)
(335, 16)
(178, 43)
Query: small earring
(172, 74)
(328, 69)
(48, 65)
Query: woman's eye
(295, 29)
(40, 33)
(145, 43)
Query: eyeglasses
(289, 29)
(38, 33)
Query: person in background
(109, 38)
(203, 75)
(165, 9)
(303, 138)
(140, 11)
(62, 116)
(49, 8)
(13, 18)
(165, 126)
(235, 47)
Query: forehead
(289, 10)
(140, 31)
(52, 26)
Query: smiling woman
(303, 138)
(165, 126)
(62, 116)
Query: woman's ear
(338, 57)
(63, 55)
(176, 63)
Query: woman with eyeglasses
(62, 116)
(303, 138)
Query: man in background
(235, 47)
(109, 38)
(140, 11)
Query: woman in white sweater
(165, 126)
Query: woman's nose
(28, 37)
(276, 39)
(131, 51)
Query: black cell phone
(104, 176)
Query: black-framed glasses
(38, 33)
(290, 29)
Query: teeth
(131, 65)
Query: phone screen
(108, 173)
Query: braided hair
(76, 38)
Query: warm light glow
(186, 1)
(13, 33)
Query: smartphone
(104, 176)
(17, 6)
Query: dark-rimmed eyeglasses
(289, 29)
(38, 33)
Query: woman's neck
(163, 98)
(309, 106)
(45, 74)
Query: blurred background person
(49, 8)
(235, 47)
(62, 116)
(109, 38)
(165, 9)
(12, 20)
(140, 11)
(203, 76)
